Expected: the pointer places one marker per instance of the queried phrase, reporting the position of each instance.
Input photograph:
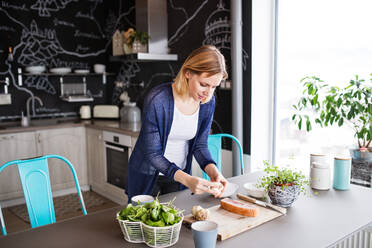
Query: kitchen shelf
(144, 57)
(62, 75)
(68, 74)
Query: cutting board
(230, 224)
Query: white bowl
(142, 198)
(35, 69)
(99, 68)
(60, 70)
(252, 190)
(81, 71)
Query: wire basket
(138, 232)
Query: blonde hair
(206, 59)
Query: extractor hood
(151, 17)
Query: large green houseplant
(331, 105)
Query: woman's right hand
(196, 184)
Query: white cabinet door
(14, 146)
(95, 157)
(69, 143)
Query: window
(329, 39)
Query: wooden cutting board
(230, 224)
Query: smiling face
(201, 87)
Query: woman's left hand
(216, 176)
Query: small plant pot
(138, 47)
(127, 49)
(361, 168)
(284, 196)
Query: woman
(176, 123)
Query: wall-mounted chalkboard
(77, 34)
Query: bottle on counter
(130, 112)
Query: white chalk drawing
(128, 70)
(58, 22)
(6, 5)
(125, 16)
(218, 31)
(40, 83)
(13, 81)
(95, 95)
(183, 28)
(6, 28)
(44, 7)
(47, 110)
(79, 33)
(41, 46)
(80, 48)
(90, 16)
(11, 18)
(38, 47)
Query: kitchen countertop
(131, 129)
(314, 221)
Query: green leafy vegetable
(152, 214)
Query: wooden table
(313, 221)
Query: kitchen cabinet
(69, 143)
(95, 158)
(14, 146)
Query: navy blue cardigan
(147, 158)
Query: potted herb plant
(135, 41)
(283, 185)
(351, 105)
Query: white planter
(138, 47)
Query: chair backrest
(215, 147)
(35, 180)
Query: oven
(118, 148)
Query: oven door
(117, 157)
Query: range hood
(151, 17)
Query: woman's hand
(216, 176)
(196, 184)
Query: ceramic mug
(320, 178)
(341, 173)
(204, 234)
(99, 68)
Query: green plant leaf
(340, 122)
(308, 125)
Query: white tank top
(183, 129)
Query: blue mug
(341, 173)
(204, 234)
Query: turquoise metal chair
(215, 147)
(34, 175)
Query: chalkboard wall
(77, 34)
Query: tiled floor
(13, 223)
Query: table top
(315, 220)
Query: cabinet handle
(38, 138)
